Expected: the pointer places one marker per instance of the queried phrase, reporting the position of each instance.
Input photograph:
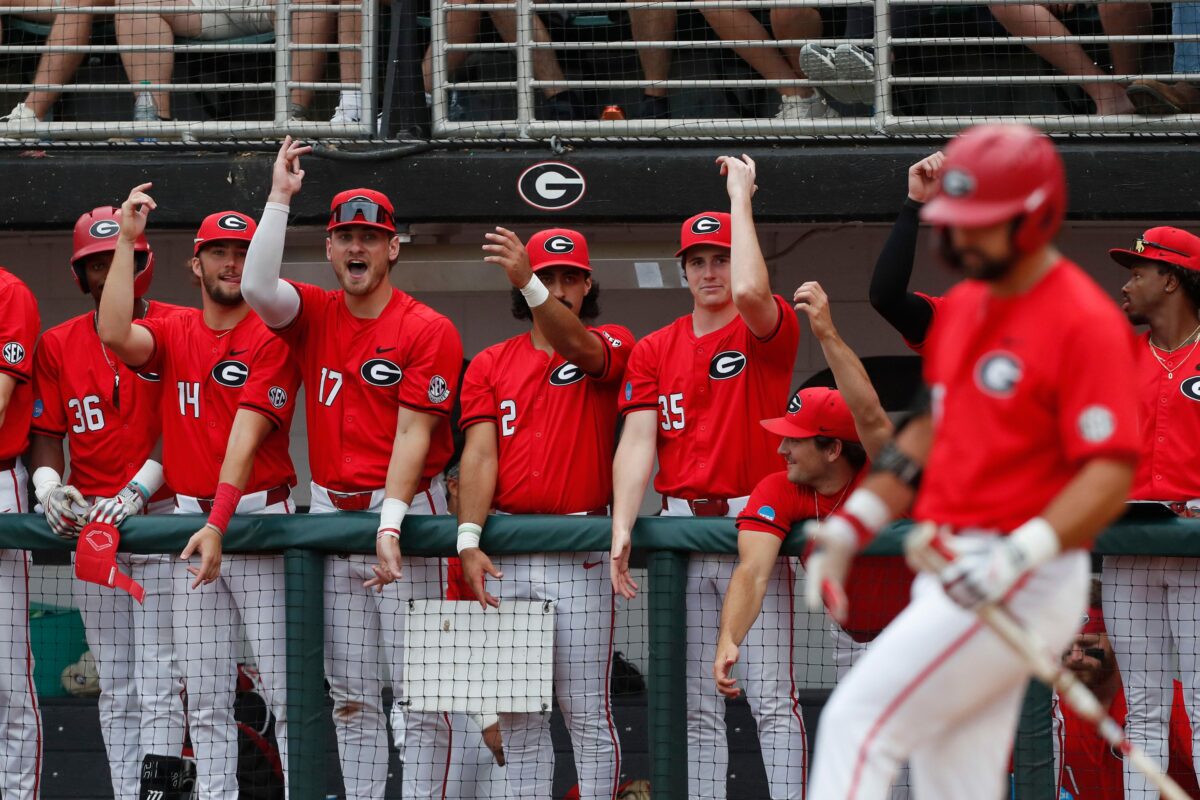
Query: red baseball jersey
(935, 303)
(555, 424)
(207, 376)
(710, 392)
(878, 588)
(19, 326)
(1025, 390)
(359, 372)
(1088, 769)
(1169, 424)
(110, 416)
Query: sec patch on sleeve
(439, 390)
(1096, 424)
(14, 352)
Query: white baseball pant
(585, 607)
(939, 689)
(141, 680)
(20, 722)
(250, 591)
(769, 676)
(1150, 609)
(846, 653)
(364, 632)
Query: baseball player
(230, 389)
(111, 420)
(1026, 453)
(540, 413)
(1151, 599)
(1087, 767)
(20, 723)
(910, 313)
(689, 390)
(370, 354)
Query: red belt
(8, 463)
(276, 495)
(706, 506)
(361, 501)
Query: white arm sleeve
(276, 301)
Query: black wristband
(894, 462)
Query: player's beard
(220, 293)
(972, 262)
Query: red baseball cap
(221, 226)
(558, 247)
(707, 227)
(818, 411)
(1164, 244)
(362, 207)
(1093, 621)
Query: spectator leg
(795, 23)
(68, 30)
(1124, 19)
(654, 25)
(350, 64)
(462, 27)
(308, 27)
(545, 61)
(1068, 58)
(738, 23)
(144, 28)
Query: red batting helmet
(222, 226)
(995, 173)
(96, 232)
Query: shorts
(259, 17)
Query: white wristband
(535, 292)
(468, 536)
(149, 479)
(45, 479)
(869, 508)
(391, 516)
(1037, 542)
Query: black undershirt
(906, 312)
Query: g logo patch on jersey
(278, 396)
(14, 352)
(998, 373)
(380, 372)
(559, 245)
(726, 365)
(706, 224)
(794, 404)
(231, 373)
(1191, 388)
(566, 374)
(104, 229)
(439, 390)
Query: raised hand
(286, 174)
(923, 177)
(740, 174)
(505, 248)
(135, 211)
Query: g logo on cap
(794, 404)
(958, 183)
(706, 224)
(104, 229)
(559, 244)
(232, 222)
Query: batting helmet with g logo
(558, 247)
(96, 232)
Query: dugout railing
(666, 544)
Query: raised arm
(274, 300)
(872, 422)
(748, 271)
(131, 343)
(889, 294)
(561, 327)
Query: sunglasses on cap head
(361, 211)
(1141, 244)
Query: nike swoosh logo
(379, 350)
(590, 564)
(238, 352)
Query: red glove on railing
(96, 560)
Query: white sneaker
(21, 121)
(855, 64)
(345, 118)
(796, 107)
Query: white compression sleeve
(276, 301)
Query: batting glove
(985, 571)
(129, 502)
(63, 505)
(832, 545)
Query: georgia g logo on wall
(104, 229)
(566, 374)
(726, 365)
(551, 186)
(231, 373)
(998, 373)
(380, 372)
(232, 222)
(706, 224)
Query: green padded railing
(667, 542)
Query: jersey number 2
(509, 407)
(671, 407)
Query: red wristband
(224, 504)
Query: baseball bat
(927, 551)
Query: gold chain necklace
(817, 507)
(1170, 370)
